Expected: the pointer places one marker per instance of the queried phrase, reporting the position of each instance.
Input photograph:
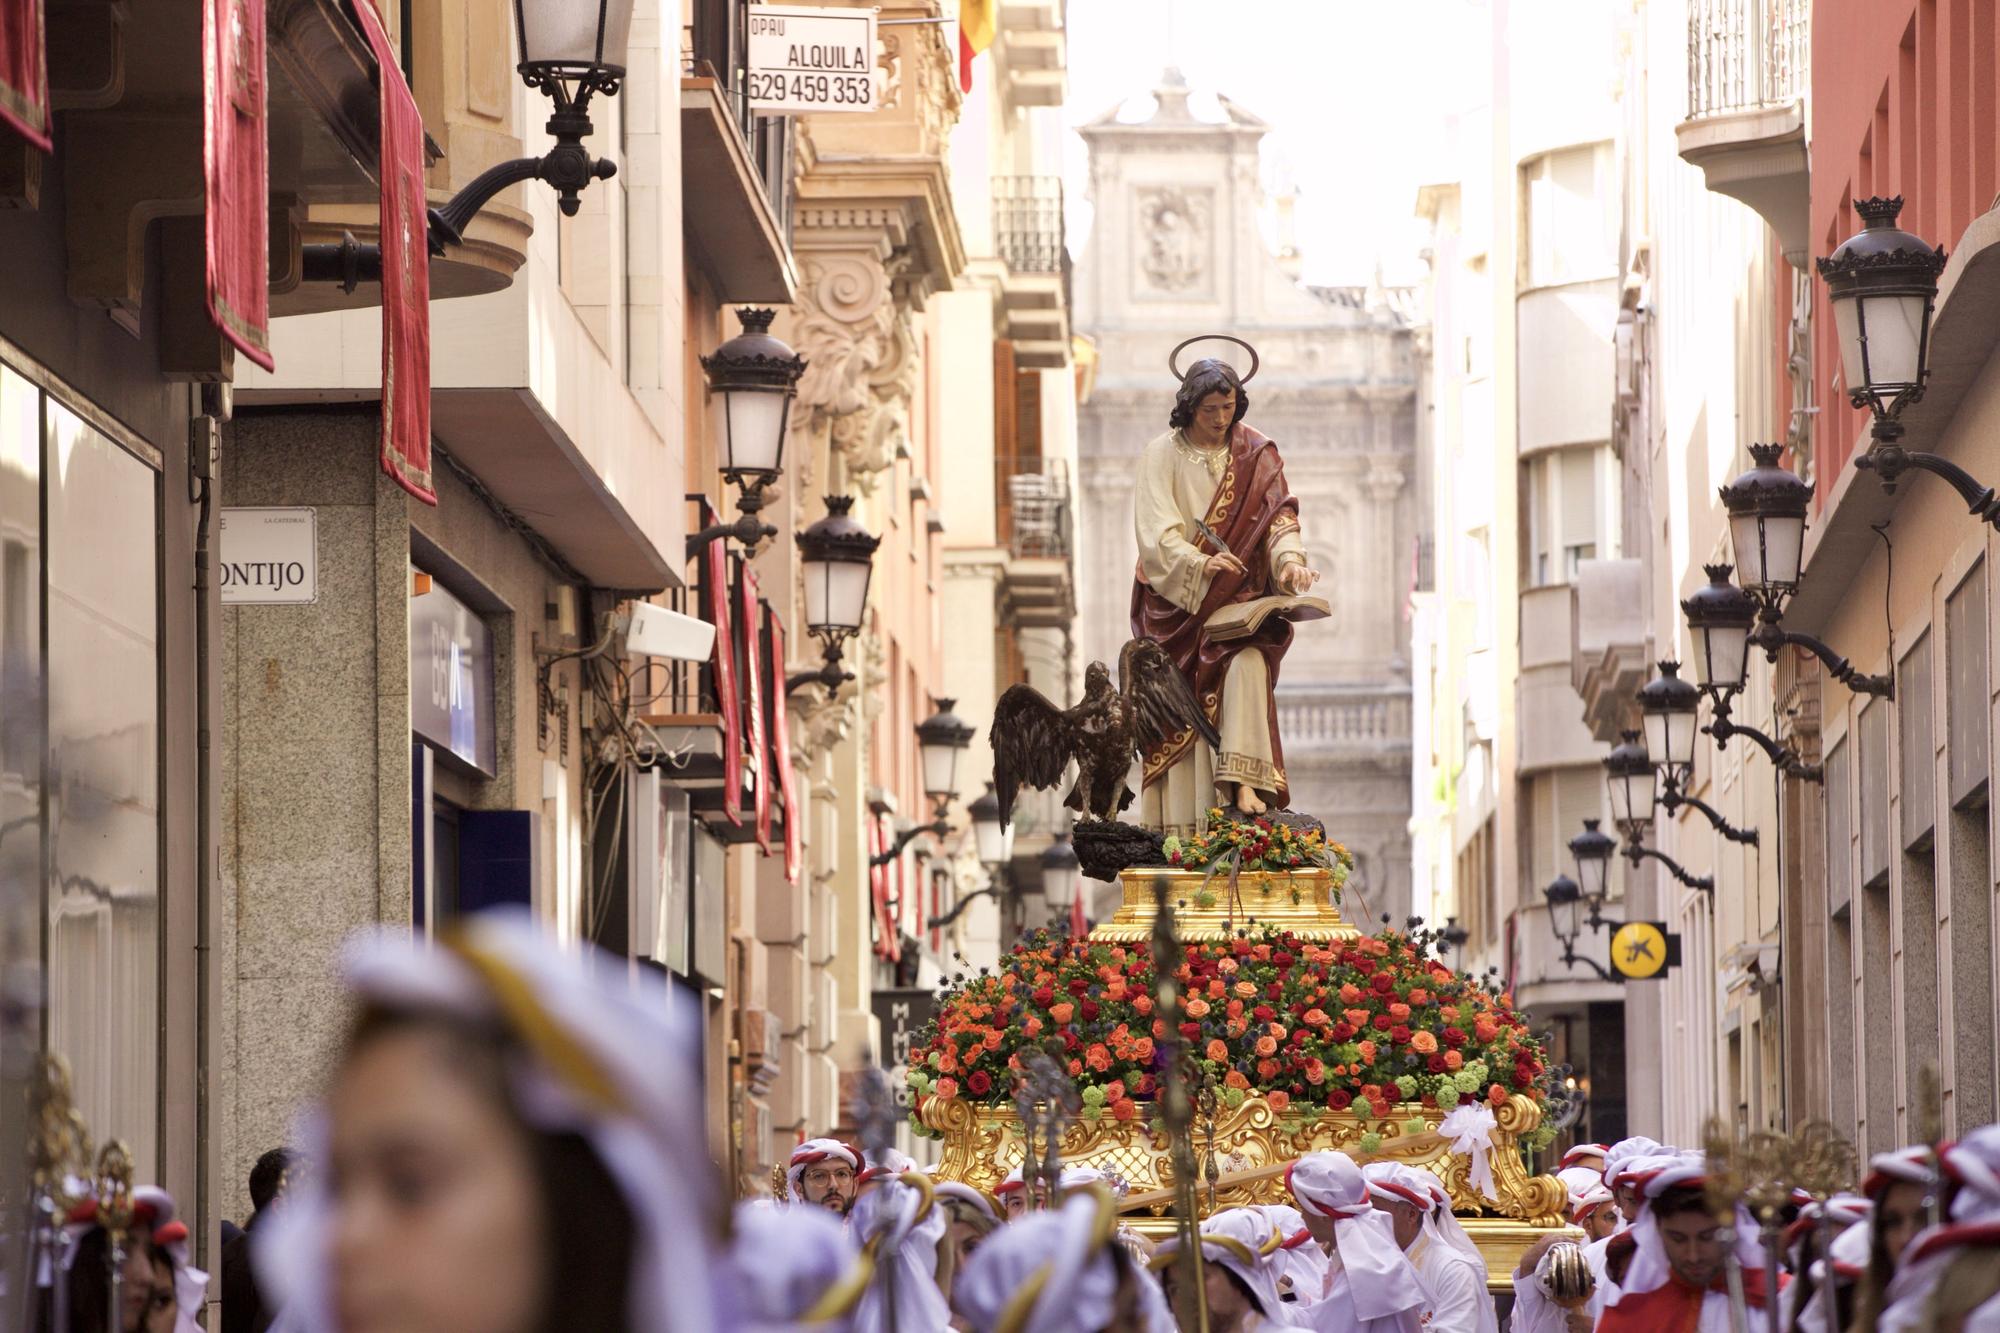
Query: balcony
(1748, 76)
(1034, 292)
(1549, 717)
(735, 164)
(1032, 55)
(1608, 627)
(1037, 589)
(1344, 720)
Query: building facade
(1521, 310)
(1176, 250)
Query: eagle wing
(1161, 698)
(1032, 740)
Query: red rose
(1070, 1041)
(1298, 1036)
(1383, 1022)
(1342, 1031)
(1263, 1013)
(1147, 1087)
(1191, 1031)
(1383, 983)
(1078, 986)
(1283, 959)
(1437, 1064)
(1340, 1099)
(1400, 1035)
(1522, 1078)
(1044, 996)
(1363, 964)
(980, 1082)
(1090, 1009)
(1454, 1037)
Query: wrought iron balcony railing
(1747, 54)
(1028, 223)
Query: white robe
(1458, 1301)
(1174, 491)
(1334, 1312)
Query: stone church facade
(1176, 249)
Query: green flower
(1093, 1096)
(1416, 1124)
(1093, 1112)
(1407, 1085)
(1133, 1078)
(1467, 1080)
(1371, 1142)
(1234, 1096)
(1478, 1071)
(1447, 1096)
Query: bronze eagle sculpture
(1034, 741)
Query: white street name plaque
(804, 59)
(270, 557)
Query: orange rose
(1453, 1060)
(1061, 1011)
(1449, 1012)
(1125, 1110)
(1498, 1096)
(1267, 1070)
(1197, 1008)
(1218, 1051)
(1215, 988)
(1267, 1046)
(948, 1060)
(1235, 1009)
(1159, 1029)
(1280, 1101)
(992, 1039)
(1234, 1079)
(1350, 994)
(1424, 1043)
(1316, 1018)
(1098, 1056)
(1400, 1012)
(1246, 988)
(1114, 1092)
(1420, 996)
(1237, 1027)
(1368, 1052)
(1142, 1003)
(1358, 1017)
(1033, 1027)
(1225, 965)
(1142, 1050)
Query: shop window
(103, 761)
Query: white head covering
(1581, 1206)
(988, 1206)
(1913, 1165)
(596, 1055)
(818, 1150)
(888, 1162)
(794, 1267)
(1973, 1163)
(1246, 1243)
(154, 1208)
(1380, 1277)
(1579, 1180)
(1626, 1149)
(1575, 1156)
(896, 1223)
(1297, 1257)
(1649, 1268)
(1054, 1271)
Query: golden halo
(1174, 356)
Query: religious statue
(1222, 574)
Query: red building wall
(1903, 102)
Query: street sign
(806, 59)
(1642, 950)
(270, 557)
(902, 1012)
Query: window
(1560, 501)
(1840, 934)
(1970, 906)
(1917, 805)
(1917, 823)
(101, 609)
(1968, 742)
(1569, 232)
(1556, 805)
(1871, 758)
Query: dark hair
(1203, 378)
(590, 1229)
(268, 1175)
(1680, 1199)
(1243, 1290)
(90, 1282)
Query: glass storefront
(80, 819)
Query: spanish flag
(976, 25)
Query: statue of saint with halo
(1222, 574)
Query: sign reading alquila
(811, 59)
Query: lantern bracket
(997, 889)
(1784, 758)
(1635, 852)
(1571, 958)
(937, 828)
(1771, 636)
(1889, 460)
(747, 528)
(830, 673)
(1671, 800)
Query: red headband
(1296, 1239)
(1421, 1202)
(1308, 1203)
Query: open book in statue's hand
(1240, 620)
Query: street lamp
(1720, 616)
(1592, 849)
(756, 376)
(941, 739)
(993, 841)
(1564, 895)
(837, 560)
(1628, 773)
(1061, 872)
(1667, 708)
(1882, 283)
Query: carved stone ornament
(861, 366)
(821, 722)
(873, 674)
(1174, 229)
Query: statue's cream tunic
(1176, 485)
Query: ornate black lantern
(941, 739)
(1593, 849)
(1628, 774)
(1062, 874)
(756, 376)
(1720, 616)
(1564, 896)
(1767, 525)
(993, 841)
(1668, 708)
(1882, 283)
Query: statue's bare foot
(1248, 801)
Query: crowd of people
(511, 1142)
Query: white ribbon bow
(1470, 1129)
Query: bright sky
(1357, 94)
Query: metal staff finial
(1177, 1111)
(1046, 1099)
(114, 1209)
(58, 1154)
(876, 1113)
(1726, 1184)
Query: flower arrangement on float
(1370, 1027)
(1249, 846)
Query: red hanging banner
(781, 749)
(717, 579)
(406, 273)
(236, 171)
(24, 71)
(753, 702)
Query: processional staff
(59, 1155)
(1177, 1110)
